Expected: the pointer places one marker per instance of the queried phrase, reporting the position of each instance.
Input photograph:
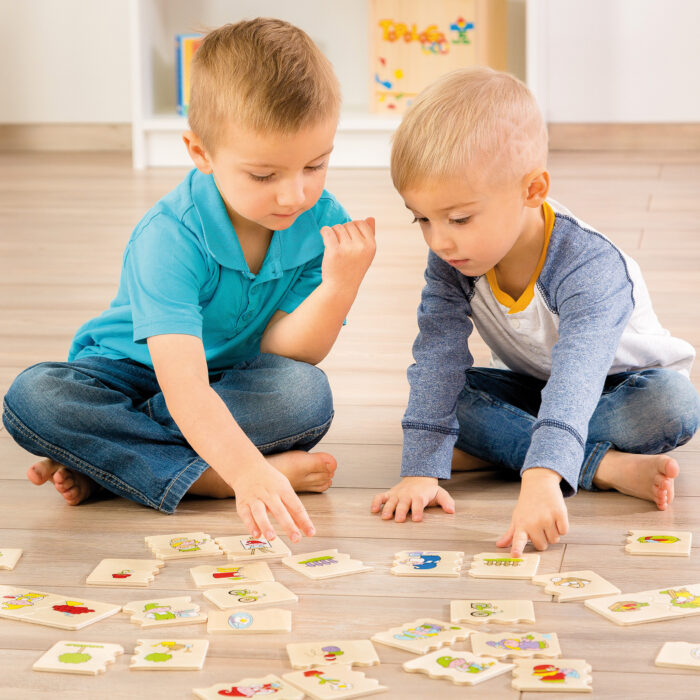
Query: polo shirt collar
(290, 248)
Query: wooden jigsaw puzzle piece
(558, 675)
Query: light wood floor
(64, 219)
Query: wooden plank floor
(64, 219)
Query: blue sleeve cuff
(427, 452)
(165, 326)
(557, 446)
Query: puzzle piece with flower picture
(337, 683)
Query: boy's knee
(674, 401)
(306, 388)
(36, 392)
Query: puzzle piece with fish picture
(664, 543)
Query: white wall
(621, 60)
(603, 60)
(64, 61)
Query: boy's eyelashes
(267, 178)
(424, 219)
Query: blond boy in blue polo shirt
(200, 376)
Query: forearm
(211, 430)
(309, 332)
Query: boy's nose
(440, 243)
(291, 193)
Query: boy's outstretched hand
(540, 514)
(414, 493)
(266, 490)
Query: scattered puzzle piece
(183, 545)
(230, 574)
(245, 621)
(265, 593)
(515, 644)
(9, 558)
(325, 564)
(648, 606)
(481, 612)
(351, 652)
(665, 543)
(125, 573)
(339, 682)
(460, 667)
(169, 654)
(269, 685)
(52, 610)
(245, 548)
(498, 565)
(561, 675)
(679, 655)
(575, 585)
(422, 636)
(87, 658)
(419, 563)
(163, 612)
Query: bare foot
(643, 476)
(464, 462)
(306, 471)
(73, 486)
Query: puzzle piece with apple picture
(125, 573)
(85, 658)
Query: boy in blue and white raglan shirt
(586, 388)
(200, 377)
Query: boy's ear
(200, 156)
(536, 186)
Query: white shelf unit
(339, 27)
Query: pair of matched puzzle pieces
(91, 658)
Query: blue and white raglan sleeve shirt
(586, 314)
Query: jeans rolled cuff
(591, 464)
(181, 484)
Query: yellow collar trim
(526, 297)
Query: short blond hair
(475, 122)
(264, 74)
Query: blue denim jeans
(646, 412)
(108, 420)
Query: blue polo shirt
(184, 272)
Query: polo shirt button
(515, 323)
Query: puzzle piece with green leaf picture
(85, 658)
